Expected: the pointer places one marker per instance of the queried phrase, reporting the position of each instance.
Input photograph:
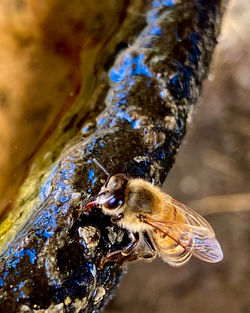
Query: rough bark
(52, 264)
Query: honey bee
(157, 223)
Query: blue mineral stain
(91, 146)
(46, 265)
(66, 173)
(179, 129)
(138, 171)
(179, 85)
(123, 101)
(135, 124)
(5, 274)
(102, 121)
(60, 184)
(65, 207)
(70, 171)
(60, 187)
(152, 16)
(64, 198)
(195, 50)
(146, 37)
(179, 124)
(155, 30)
(13, 262)
(31, 253)
(91, 174)
(124, 116)
(147, 45)
(46, 221)
(119, 87)
(92, 268)
(131, 82)
(143, 167)
(46, 188)
(130, 65)
(21, 294)
(85, 129)
(121, 95)
(158, 155)
(83, 243)
(1, 282)
(50, 229)
(163, 3)
(110, 97)
(163, 94)
(91, 177)
(20, 286)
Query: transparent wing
(205, 245)
(194, 236)
(191, 217)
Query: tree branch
(52, 264)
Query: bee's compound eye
(117, 181)
(113, 203)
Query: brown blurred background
(211, 174)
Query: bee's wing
(194, 236)
(205, 236)
(190, 216)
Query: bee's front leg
(124, 255)
(87, 207)
(116, 218)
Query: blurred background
(211, 174)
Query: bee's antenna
(103, 168)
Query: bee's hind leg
(124, 255)
(151, 248)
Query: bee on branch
(157, 223)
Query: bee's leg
(117, 256)
(131, 246)
(123, 255)
(129, 258)
(116, 218)
(152, 251)
(88, 206)
(136, 254)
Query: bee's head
(111, 195)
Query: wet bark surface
(52, 263)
